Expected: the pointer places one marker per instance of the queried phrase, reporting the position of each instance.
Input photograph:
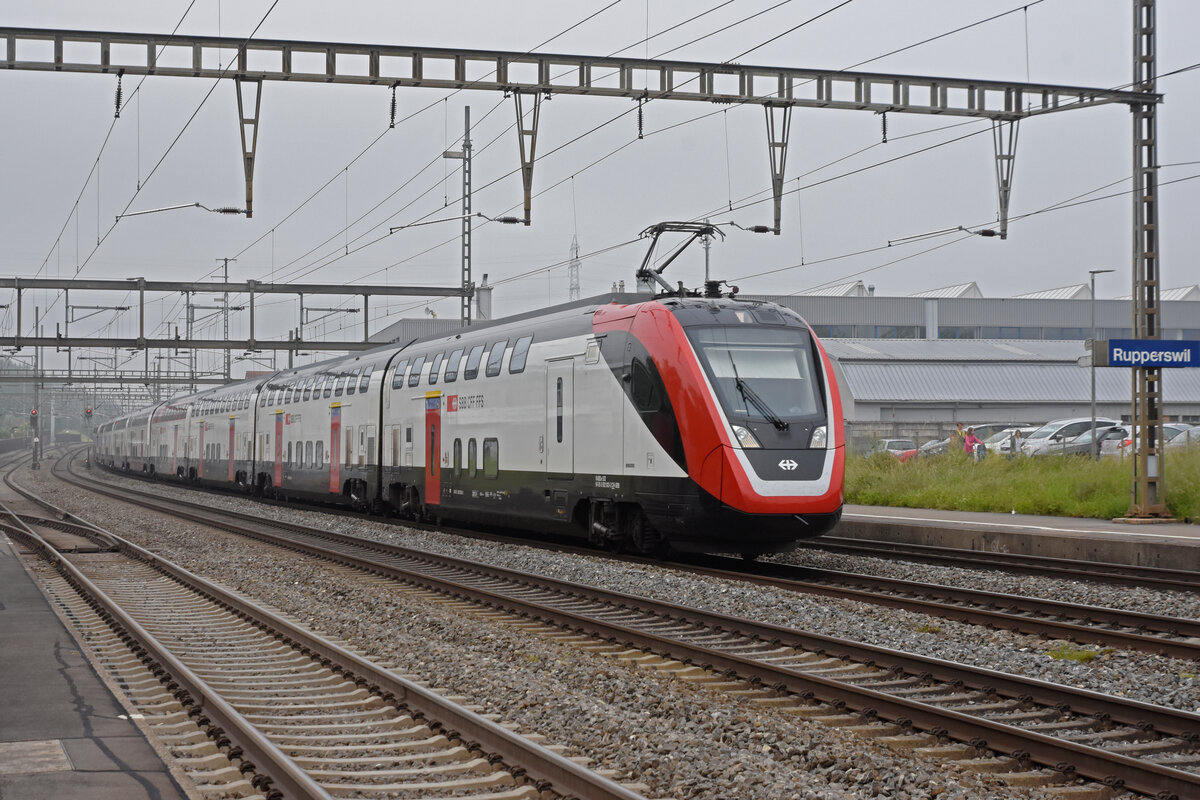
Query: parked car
(1189, 437)
(1053, 436)
(1001, 441)
(900, 449)
(1170, 431)
(987, 430)
(1081, 445)
(934, 447)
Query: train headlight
(819, 438)
(744, 437)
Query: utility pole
(225, 303)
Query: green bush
(1072, 486)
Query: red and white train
(703, 423)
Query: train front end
(758, 423)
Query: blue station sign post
(1147, 353)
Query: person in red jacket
(969, 442)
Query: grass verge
(1067, 486)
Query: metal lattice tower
(1148, 492)
(573, 271)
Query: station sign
(1147, 353)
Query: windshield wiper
(752, 397)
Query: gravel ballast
(681, 740)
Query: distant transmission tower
(573, 271)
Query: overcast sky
(696, 160)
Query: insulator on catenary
(393, 123)
(229, 210)
(640, 118)
(117, 112)
(884, 115)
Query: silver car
(1054, 436)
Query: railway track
(1164, 635)
(1123, 574)
(300, 715)
(1008, 721)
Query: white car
(1001, 442)
(1174, 434)
(1059, 432)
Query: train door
(175, 451)
(201, 453)
(433, 425)
(278, 477)
(335, 448)
(560, 416)
(232, 449)
(408, 446)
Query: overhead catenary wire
(450, 240)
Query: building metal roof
(1178, 293)
(986, 372)
(961, 290)
(1079, 291)
(852, 289)
(1002, 383)
(939, 350)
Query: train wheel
(644, 538)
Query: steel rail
(270, 763)
(1041, 748)
(1127, 574)
(1005, 611)
(547, 768)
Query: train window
(436, 367)
(559, 407)
(398, 375)
(433, 450)
(491, 458)
(352, 382)
(289, 453)
(516, 362)
(307, 389)
(592, 356)
(319, 454)
(472, 469)
(308, 454)
(472, 370)
(339, 385)
(414, 377)
(457, 458)
(644, 388)
(408, 434)
(452, 365)
(328, 385)
(495, 358)
(365, 383)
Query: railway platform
(63, 733)
(1170, 545)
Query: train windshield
(761, 373)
